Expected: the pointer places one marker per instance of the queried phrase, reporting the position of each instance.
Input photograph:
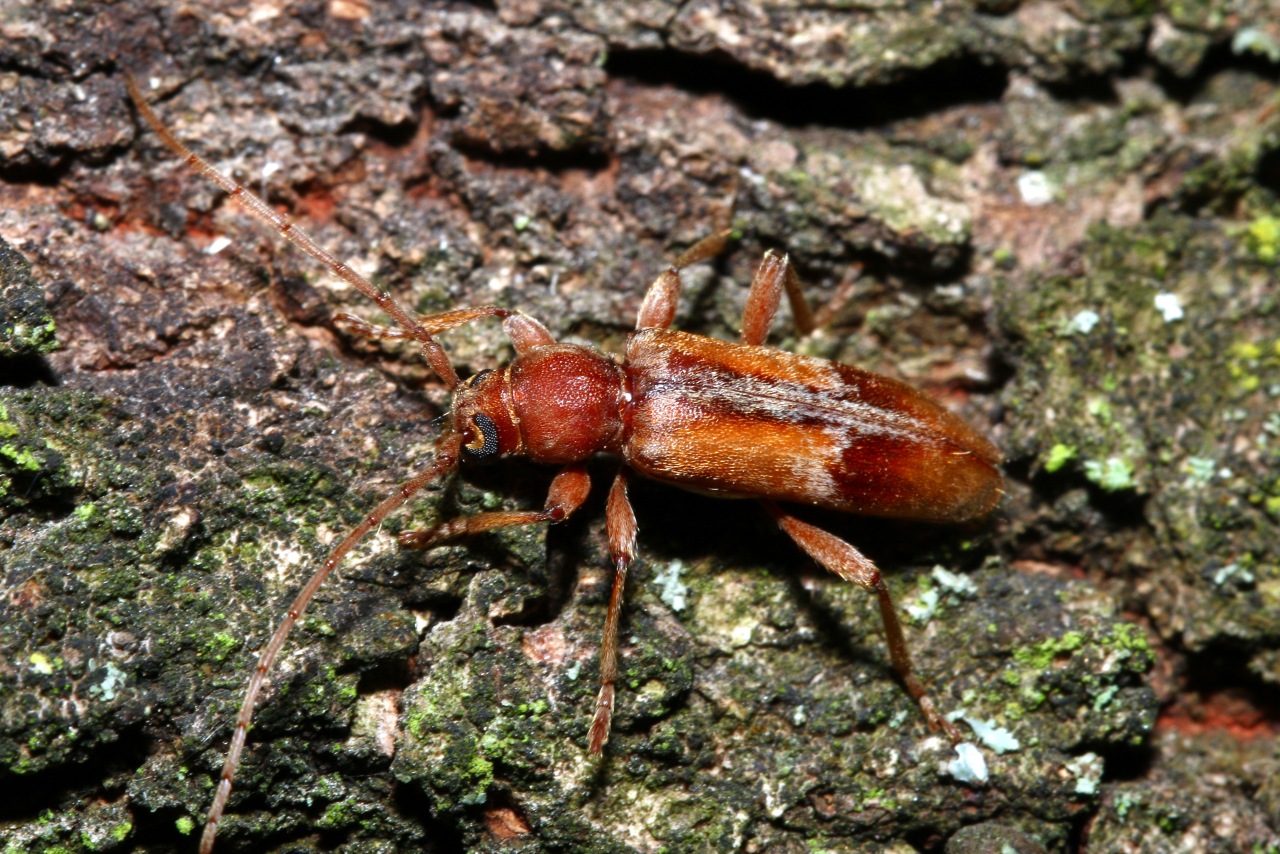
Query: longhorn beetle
(733, 420)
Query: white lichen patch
(671, 589)
(113, 680)
(1087, 769)
(961, 585)
(969, 766)
(989, 732)
(1169, 306)
(923, 609)
(1082, 323)
(1035, 188)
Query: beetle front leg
(620, 524)
(851, 565)
(568, 490)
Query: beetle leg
(826, 314)
(708, 247)
(658, 309)
(763, 298)
(525, 332)
(568, 490)
(620, 523)
(774, 275)
(851, 565)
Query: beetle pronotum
(736, 420)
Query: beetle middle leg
(658, 309)
(851, 565)
(774, 275)
(620, 525)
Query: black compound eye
(478, 377)
(486, 443)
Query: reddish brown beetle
(732, 420)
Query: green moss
(220, 645)
(480, 773)
(1264, 238)
(24, 458)
(537, 707)
(1132, 640)
(1058, 456)
(1042, 655)
(336, 815)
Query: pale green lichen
(1112, 474)
(671, 589)
(1255, 41)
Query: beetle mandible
(734, 420)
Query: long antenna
(447, 450)
(284, 226)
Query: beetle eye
(485, 443)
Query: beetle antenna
(285, 227)
(446, 458)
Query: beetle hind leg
(851, 565)
(775, 275)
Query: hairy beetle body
(738, 420)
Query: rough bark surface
(1067, 222)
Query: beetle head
(482, 416)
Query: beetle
(733, 420)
